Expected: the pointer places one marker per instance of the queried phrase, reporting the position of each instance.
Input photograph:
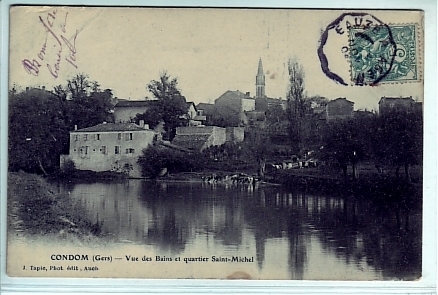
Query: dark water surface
(290, 234)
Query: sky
(209, 51)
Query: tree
(171, 104)
(297, 105)
(37, 131)
(87, 104)
(257, 144)
(224, 116)
(152, 116)
(347, 142)
(154, 159)
(40, 121)
(398, 139)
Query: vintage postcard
(215, 143)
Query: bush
(154, 159)
(68, 169)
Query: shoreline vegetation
(33, 208)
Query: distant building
(192, 115)
(205, 109)
(256, 119)
(232, 105)
(363, 114)
(262, 102)
(198, 138)
(232, 108)
(236, 101)
(398, 103)
(109, 147)
(340, 108)
(126, 110)
(260, 80)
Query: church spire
(260, 80)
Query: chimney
(146, 126)
(76, 127)
(141, 123)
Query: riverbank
(385, 189)
(33, 209)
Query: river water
(286, 234)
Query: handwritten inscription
(53, 52)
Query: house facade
(340, 108)
(236, 101)
(109, 147)
(264, 103)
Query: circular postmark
(357, 48)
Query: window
(119, 136)
(96, 136)
(85, 137)
(128, 136)
(103, 149)
(84, 150)
(130, 151)
(77, 137)
(117, 149)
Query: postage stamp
(383, 54)
(359, 49)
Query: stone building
(340, 108)
(398, 103)
(126, 110)
(198, 138)
(109, 147)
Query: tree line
(40, 121)
(394, 137)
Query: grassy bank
(33, 209)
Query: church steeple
(260, 80)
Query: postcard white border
(427, 285)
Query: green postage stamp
(384, 54)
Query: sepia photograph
(215, 143)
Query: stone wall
(235, 134)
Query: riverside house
(109, 147)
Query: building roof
(135, 103)
(191, 141)
(340, 99)
(234, 95)
(384, 98)
(206, 107)
(260, 68)
(112, 127)
(189, 103)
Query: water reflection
(295, 234)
